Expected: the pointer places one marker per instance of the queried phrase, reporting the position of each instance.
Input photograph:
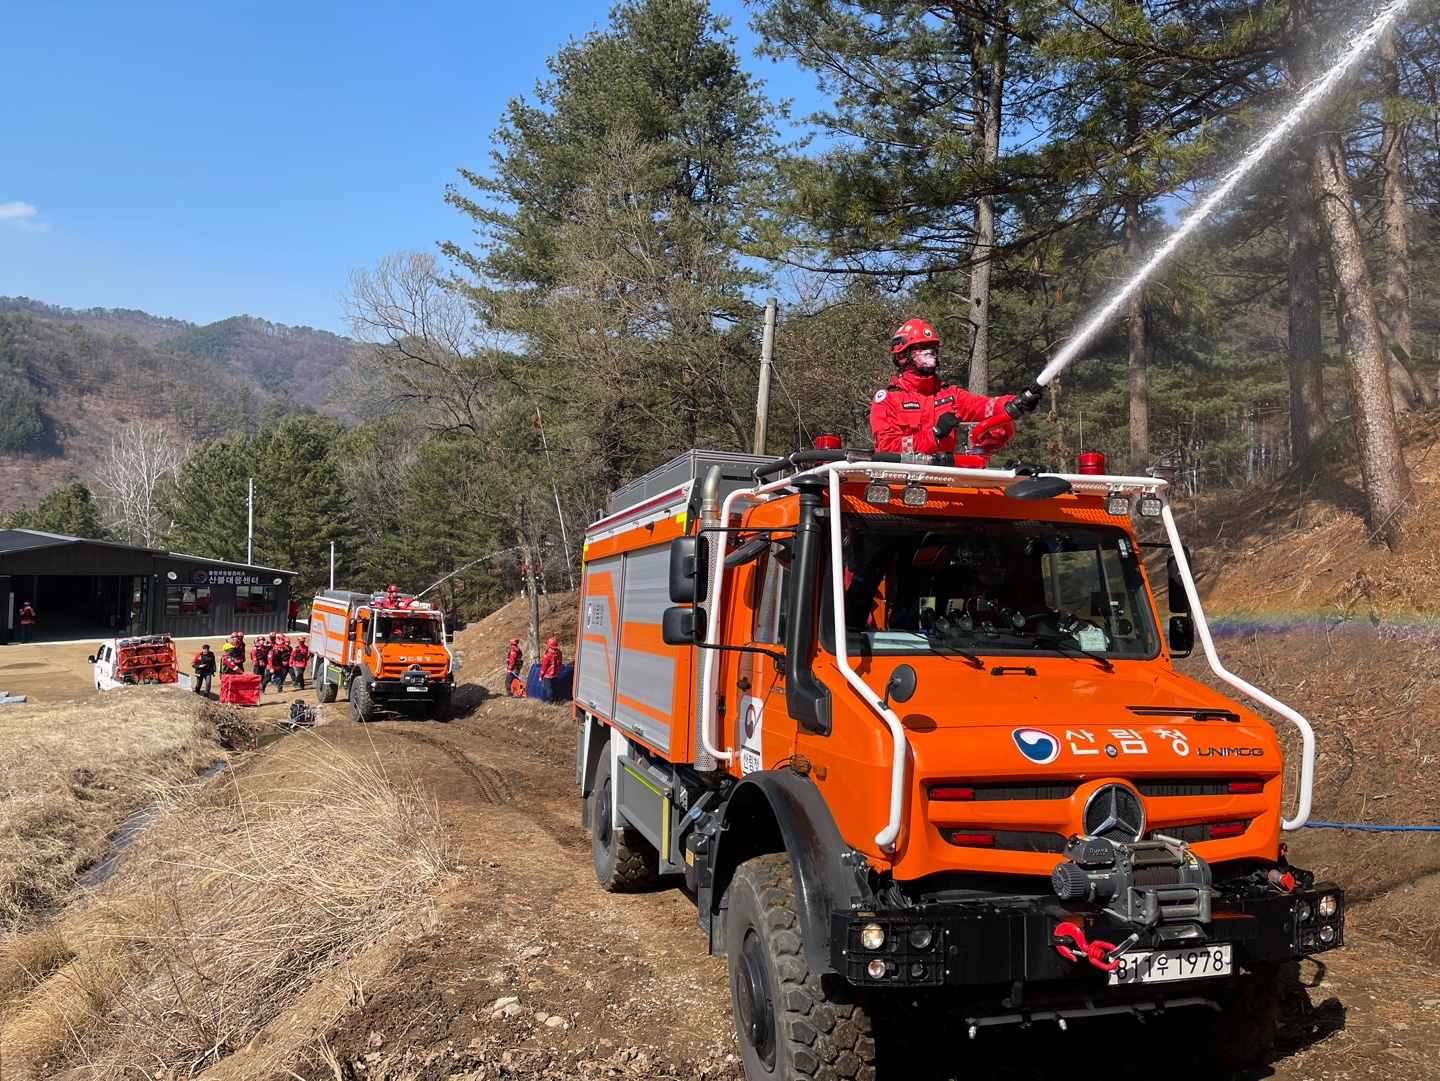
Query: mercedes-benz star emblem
(1115, 813)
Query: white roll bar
(1197, 613)
(887, 837)
(708, 733)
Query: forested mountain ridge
(297, 362)
(67, 391)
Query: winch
(1147, 883)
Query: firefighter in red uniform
(919, 412)
(550, 667)
(513, 660)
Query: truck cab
(931, 712)
(386, 650)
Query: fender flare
(781, 810)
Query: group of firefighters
(272, 655)
(550, 664)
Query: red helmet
(552, 643)
(913, 332)
(514, 641)
(393, 588)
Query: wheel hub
(754, 1002)
(602, 815)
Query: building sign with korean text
(216, 577)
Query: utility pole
(767, 362)
(250, 525)
(332, 565)
(555, 487)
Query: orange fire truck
(385, 649)
(910, 730)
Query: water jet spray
(1027, 400)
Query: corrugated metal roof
(26, 540)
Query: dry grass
(70, 774)
(244, 892)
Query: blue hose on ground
(1374, 829)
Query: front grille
(1059, 790)
(1151, 789)
(1198, 832)
(1005, 840)
(1115, 813)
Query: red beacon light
(1092, 463)
(827, 442)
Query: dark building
(83, 588)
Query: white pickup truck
(124, 662)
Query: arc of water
(1287, 124)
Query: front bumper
(420, 687)
(1012, 939)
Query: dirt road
(526, 969)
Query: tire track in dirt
(491, 782)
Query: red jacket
(550, 664)
(903, 415)
(299, 655)
(513, 659)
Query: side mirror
(901, 687)
(682, 626)
(92, 660)
(449, 637)
(1181, 638)
(689, 570)
(1179, 603)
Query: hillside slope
(299, 363)
(73, 390)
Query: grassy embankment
(228, 906)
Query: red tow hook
(1097, 952)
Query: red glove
(992, 433)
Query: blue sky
(201, 160)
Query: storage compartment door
(645, 682)
(599, 631)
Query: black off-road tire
(325, 691)
(791, 1023)
(362, 706)
(444, 707)
(625, 862)
(1244, 1031)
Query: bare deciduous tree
(421, 344)
(134, 479)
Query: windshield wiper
(1063, 645)
(944, 629)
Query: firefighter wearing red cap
(919, 412)
(514, 659)
(550, 667)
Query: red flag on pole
(538, 425)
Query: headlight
(915, 496)
(872, 936)
(876, 969)
(1150, 506)
(1328, 906)
(1117, 505)
(1302, 911)
(1327, 934)
(921, 937)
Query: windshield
(413, 629)
(982, 586)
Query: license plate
(416, 690)
(1167, 966)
